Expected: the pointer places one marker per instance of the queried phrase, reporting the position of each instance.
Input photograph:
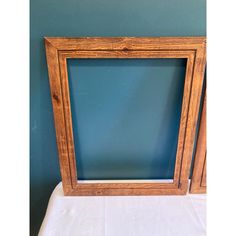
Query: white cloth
(124, 215)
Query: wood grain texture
(68, 119)
(127, 43)
(194, 103)
(198, 181)
(124, 192)
(126, 54)
(184, 116)
(58, 50)
(59, 118)
(204, 179)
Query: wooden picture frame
(58, 50)
(198, 181)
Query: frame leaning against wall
(58, 50)
(198, 180)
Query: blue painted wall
(88, 18)
(126, 116)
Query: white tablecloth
(125, 215)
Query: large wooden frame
(57, 52)
(198, 181)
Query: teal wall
(88, 18)
(126, 115)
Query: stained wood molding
(58, 50)
(198, 181)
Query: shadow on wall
(44, 166)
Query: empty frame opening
(126, 115)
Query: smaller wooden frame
(58, 50)
(198, 181)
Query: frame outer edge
(200, 155)
(197, 84)
(123, 43)
(59, 122)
